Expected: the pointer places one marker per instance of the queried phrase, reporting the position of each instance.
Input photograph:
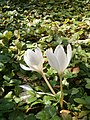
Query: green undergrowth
(48, 23)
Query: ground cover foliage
(28, 24)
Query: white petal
(33, 57)
(56, 50)
(52, 59)
(40, 59)
(69, 53)
(51, 50)
(25, 97)
(39, 54)
(43, 93)
(25, 68)
(27, 61)
(26, 87)
(61, 57)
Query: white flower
(59, 60)
(26, 87)
(24, 95)
(34, 60)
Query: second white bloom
(58, 59)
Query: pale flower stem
(48, 84)
(61, 91)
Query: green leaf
(4, 58)
(47, 99)
(74, 91)
(87, 99)
(1, 35)
(1, 66)
(87, 86)
(83, 113)
(80, 100)
(16, 115)
(19, 44)
(44, 115)
(6, 105)
(87, 80)
(36, 102)
(31, 99)
(56, 118)
(17, 100)
(9, 95)
(6, 77)
(8, 34)
(30, 117)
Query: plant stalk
(61, 90)
(48, 84)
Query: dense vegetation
(44, 23)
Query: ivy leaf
(74, 91)
(31, 99)
(30, 117)
(83, 113)
(8, 34)
(47, 99)
(87, 86)
(1, 66)
(44, 115)
(80, 100)
(1, 35)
